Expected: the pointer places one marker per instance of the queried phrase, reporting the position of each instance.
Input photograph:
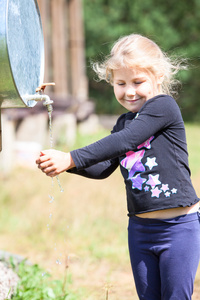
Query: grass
(85, 226)
(36, 284)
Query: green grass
(36, 284)
(193, 139)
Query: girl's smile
(133, 88)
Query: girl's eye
(121, 83)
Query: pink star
(153, 180)
(156, 192)
(167, 194)
(146, 144)
(132, 162)
(165, 187)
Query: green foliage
(174, 25)
(35, 284)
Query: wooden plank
(79, 86)
(59, 46)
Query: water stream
(50, 110)
(51, 197)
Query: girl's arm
(53, 162)
(156, 114)
(100, 170)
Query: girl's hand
(53, 162)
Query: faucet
(40, 96)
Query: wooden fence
(63, 29)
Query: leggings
(164, 256)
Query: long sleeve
(98, 171)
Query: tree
(174, 25)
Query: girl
(149, 144)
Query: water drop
(52, 199)
(58, 262)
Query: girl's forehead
(129, 72)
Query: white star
(151, 162)
(167, 194)
(174, 191)
(165, 187)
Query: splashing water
(50, 110)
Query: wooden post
(79, 88)
(59, 48)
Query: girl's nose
(130, 91)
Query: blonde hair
(137, 51)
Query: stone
(8, 282)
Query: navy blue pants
(164, 256)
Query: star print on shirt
(137, 182)
(167, 194)
(174, 191)
(153, 180)
(151, 162)
(146, 144)
(132, 162)
(165, 187)
(155, 192)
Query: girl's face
(133, 88)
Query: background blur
(80, 32)
(87, 223)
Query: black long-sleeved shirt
(151, 149)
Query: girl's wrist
(70, 160)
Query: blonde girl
(149, 144)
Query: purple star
(156, 192)
(146, 144)
(132, 162)
(137, 182)
(153, 180)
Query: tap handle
(42, 87)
